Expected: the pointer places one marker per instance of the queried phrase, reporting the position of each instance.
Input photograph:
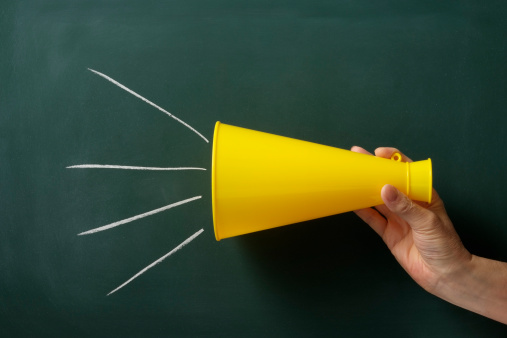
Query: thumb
(419, 218)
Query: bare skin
(423, 240)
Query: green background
(429, 77)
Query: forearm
(479, 286)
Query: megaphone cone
(261, 181)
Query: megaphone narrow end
(213, 180)
(421, 181)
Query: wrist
(477, 284)
(448, 275)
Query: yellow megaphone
(261, 181)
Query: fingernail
(390, 193)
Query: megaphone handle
(396, 157)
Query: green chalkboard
(429, 77)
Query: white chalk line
(127, 220)
(188, 240)
(148, 102)
(127, 167)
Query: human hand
(420, 235)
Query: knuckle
(433, 219)
(406, 207)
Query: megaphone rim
(430, 181)
(213, 180)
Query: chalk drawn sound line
(127, 167)
(147, 101)
(185, 242)
(134, 218)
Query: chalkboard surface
(429, 77)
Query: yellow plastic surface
(261, 181)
